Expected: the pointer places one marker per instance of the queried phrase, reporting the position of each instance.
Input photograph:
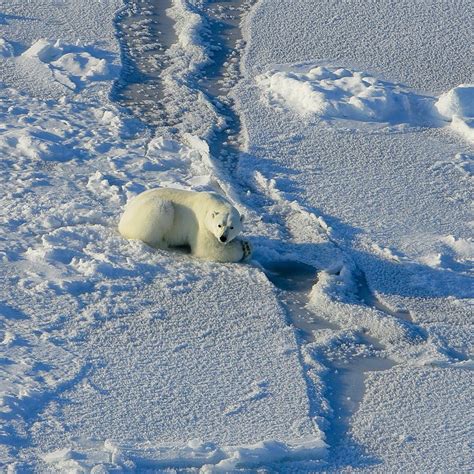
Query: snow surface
(121, 357)
(416, 428)
(34, 34)
(117, 355)
(394, 193)
(123, 334)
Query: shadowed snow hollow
(6, 49)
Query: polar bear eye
(231, 227)
(218, 225)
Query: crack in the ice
(144, 34)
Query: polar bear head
(224, 223)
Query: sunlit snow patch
(457, 106)
(83, 65)
(339, 93)
(43, 50)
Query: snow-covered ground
(348, 127)
(346, 344)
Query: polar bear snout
(223, 238)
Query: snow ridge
(204, 457)
(188, 55)
(337, 93)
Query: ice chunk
(43, 50)
(83, 65)
(457, 106)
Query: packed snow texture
(413, 428)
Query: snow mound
(73, 66)
(458, 101)
(340, 93)
(83, 65)
(457, 106)
(6, 49)
(38, 145)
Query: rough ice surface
(346, 345)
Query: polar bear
(206, 222)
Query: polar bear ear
(242, 218)
(214, 214)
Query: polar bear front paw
(246, 249)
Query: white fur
(166, 218)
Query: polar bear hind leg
(147, 218)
